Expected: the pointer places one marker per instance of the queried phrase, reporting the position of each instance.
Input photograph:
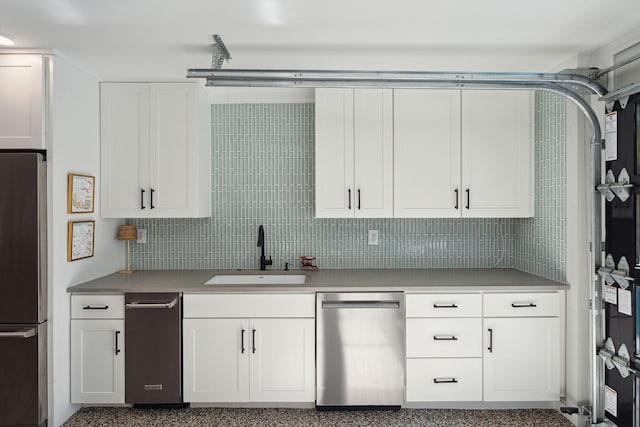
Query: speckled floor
(311, 417)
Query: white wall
(73, 146)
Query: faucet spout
(263, 260)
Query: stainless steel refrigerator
(23, 289)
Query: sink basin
(257, 279)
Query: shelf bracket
(220, 53)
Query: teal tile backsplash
(263, 173)
(539, 243)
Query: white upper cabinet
(426, 147)
(423, 153)
(354, 153)
(334, 153)
(496, 153)
(22, 102)
(155, 150)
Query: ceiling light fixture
(6, 40)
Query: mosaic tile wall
(539, 243)
(263, 172)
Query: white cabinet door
(373, 155)
(426, 153)
(124, 152)
(496, 153)
(97, 361)
(216, 360)
(521, 359)
(282, 360)
(173, 150)
(22, 101)
(334, 153)
(155, 150)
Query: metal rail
(570, 86)
(602, 72)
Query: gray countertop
(410, 280)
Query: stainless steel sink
(257, 279)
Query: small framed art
(80, 240)
(80, 193)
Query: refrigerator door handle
(24, 333)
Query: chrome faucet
(263, 260)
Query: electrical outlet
(373, 237)
(142, 235)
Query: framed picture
(80, 193)
(80, 240)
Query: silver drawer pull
(445, 338)
(445, 306)
(444, 380)
(25, 333)
(168, 305)
(95, 307)
(152, 387)
(522, 304)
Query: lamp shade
(128, 232)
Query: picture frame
(80, 240)
(80, 193)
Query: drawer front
(443, 380)
(444, 337)
(540, 304)
(97, 306)
(249, 305)
(444, 305)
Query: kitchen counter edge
(337, 280)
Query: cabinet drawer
(441, 380)
(97, 306)
(444, 305)
(249, 305)
(444, 337)
(542, 304)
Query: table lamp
(128, 233)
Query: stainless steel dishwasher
(360, 349)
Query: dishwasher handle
(168, 305)
(360, 304)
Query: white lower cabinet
(444, 347)
(97, 361)
(521, 346)
(282, 362)
(521, 359)
(216, 360)
(483, 347)
(266, 359)
(441, 380)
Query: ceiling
(160, 39)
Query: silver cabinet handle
(168, 305)
(26, 333)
